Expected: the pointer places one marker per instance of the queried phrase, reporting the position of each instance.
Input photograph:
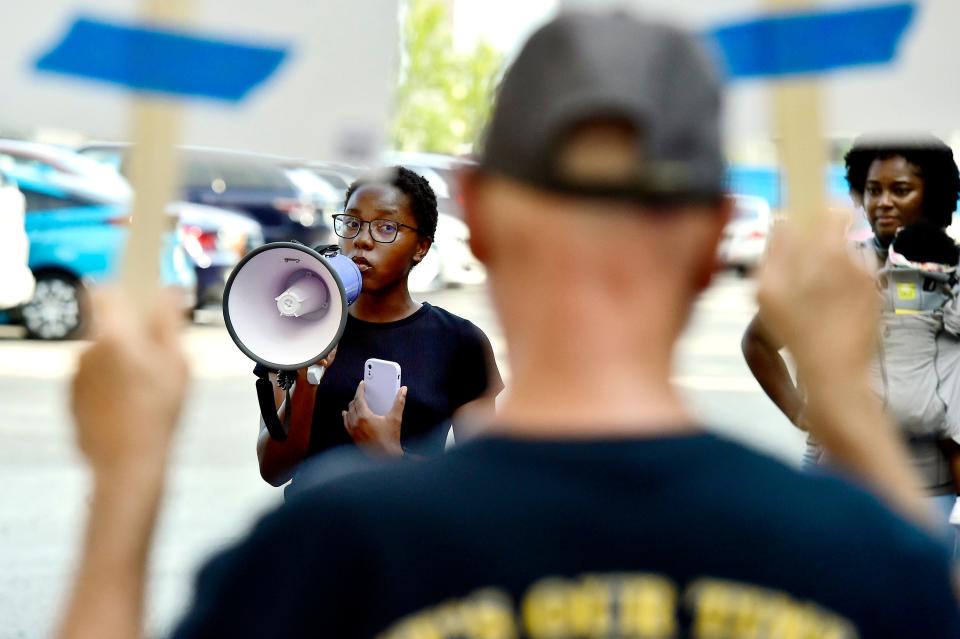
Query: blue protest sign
(161, 60)
(812, 41)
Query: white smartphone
(381, 384)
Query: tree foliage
(444, 96)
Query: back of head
(606, 132)
(651, 79)
(597, 206)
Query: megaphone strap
(268, 410)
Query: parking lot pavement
(215, 489)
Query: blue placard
(162, 60)
(812, 42)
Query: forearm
(472, 416)
(767, 365)
(848, 418)
(278, 459)
(107, 598)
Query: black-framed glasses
(381, 230)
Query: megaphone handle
(315, 374)
(268, 410)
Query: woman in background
(446, 362)
(897, 184)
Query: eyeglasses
(383, 231)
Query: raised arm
(127, 396)
(810, 282)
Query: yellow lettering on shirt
(731, 610)
(625, 606)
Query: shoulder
(830, 506)
(869, 252)
(826, 531)
(256, 587)
(842, 518)
(461, 327)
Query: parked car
(215, 240)
(458, 265)
(254, 185)
(325, 195)
(16, 280)
(76, 242)
(213, 249)
(75, 172)
(339, 176)
(426, 276)
(745, 237)
(449, 263)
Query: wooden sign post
(798, 131)
(154, 171)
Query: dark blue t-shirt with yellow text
(685, 536)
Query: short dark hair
(423, 201)
(941, 179)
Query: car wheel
(56, 310)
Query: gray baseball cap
(582, 67)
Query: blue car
(76, 241)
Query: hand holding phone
(381, 384)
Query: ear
(423, 247)
(716, 220)
(471, 185)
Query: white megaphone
(285, 306)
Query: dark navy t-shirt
(445, 362)
(688, 536)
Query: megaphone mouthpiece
(306, 294)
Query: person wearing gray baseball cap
(595, 505)
(648, 78)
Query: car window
(37, 201)
(436, 182)
(31, 163)
(309, 182)
(746, 213)
(449, 177)
(196, 174)
(334, 180)
(109, 157)
(222, 174)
